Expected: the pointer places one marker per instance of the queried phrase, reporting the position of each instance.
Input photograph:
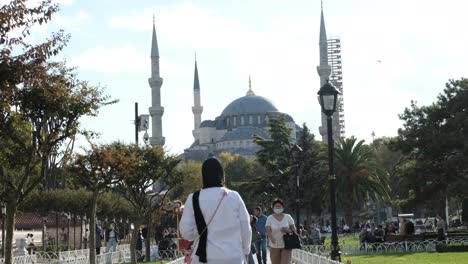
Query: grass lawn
(410, 258)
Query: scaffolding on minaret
(336, 78)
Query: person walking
(98, 239)
(314, 235)
(440, 226)
(277, 225)
(255, 237)
(216, 219)
(261, 244)
(112, 238)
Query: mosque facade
(233, 131)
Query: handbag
(292, 241)
(256, 236)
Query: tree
(192, 180)
(435, 139)
(358, 176)
(152, 167)
(276, 155)
(311, 175)
(40, 103)
(97, 170)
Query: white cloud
(72, 21)
(125, 58)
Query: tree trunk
(43, 234)
(81, 232)
(11, 208)
(148, 244)
(348, 209)
(92, 229)
(57, 232)
(133, 241)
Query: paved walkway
(268, 257)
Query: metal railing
(385, 247)
(26, 259)
(304, 257)
(180, 260)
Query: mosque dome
(249, 104)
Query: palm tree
(358, 175)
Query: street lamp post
(328, 96)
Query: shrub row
(452, 248)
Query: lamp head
(328, 97)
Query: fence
(304, 257)
(26, 259)
(385, 247)
(180, 260)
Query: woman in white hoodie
(216, 219)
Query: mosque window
(259, 119)
(234, 121)
(242, 120)
(250, 119)
(267, 120)
(227, 122)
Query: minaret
(155, 82)
(197, 109)
(323, 70)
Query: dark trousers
(260, 245)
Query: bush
(452, 248)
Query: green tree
(152, 167)
(245, 176)
(276, 155)
(191, 173)
(358, 175)
(40, 104)
(434, 139)
(311, 175)
(97, 169)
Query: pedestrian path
(268, 257)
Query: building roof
(248, 105)
(244, 133)
(208, 123)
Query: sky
(393, 51)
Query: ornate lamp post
(328, 96)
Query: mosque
(234, 129)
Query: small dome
(249, 104)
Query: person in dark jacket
(98, 239)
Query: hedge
(452, 248)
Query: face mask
(278, 210)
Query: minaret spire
(197, 109)
(324, 68)
(155, 82)
(250, 92)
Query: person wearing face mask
(277, 225)
(216, 220)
